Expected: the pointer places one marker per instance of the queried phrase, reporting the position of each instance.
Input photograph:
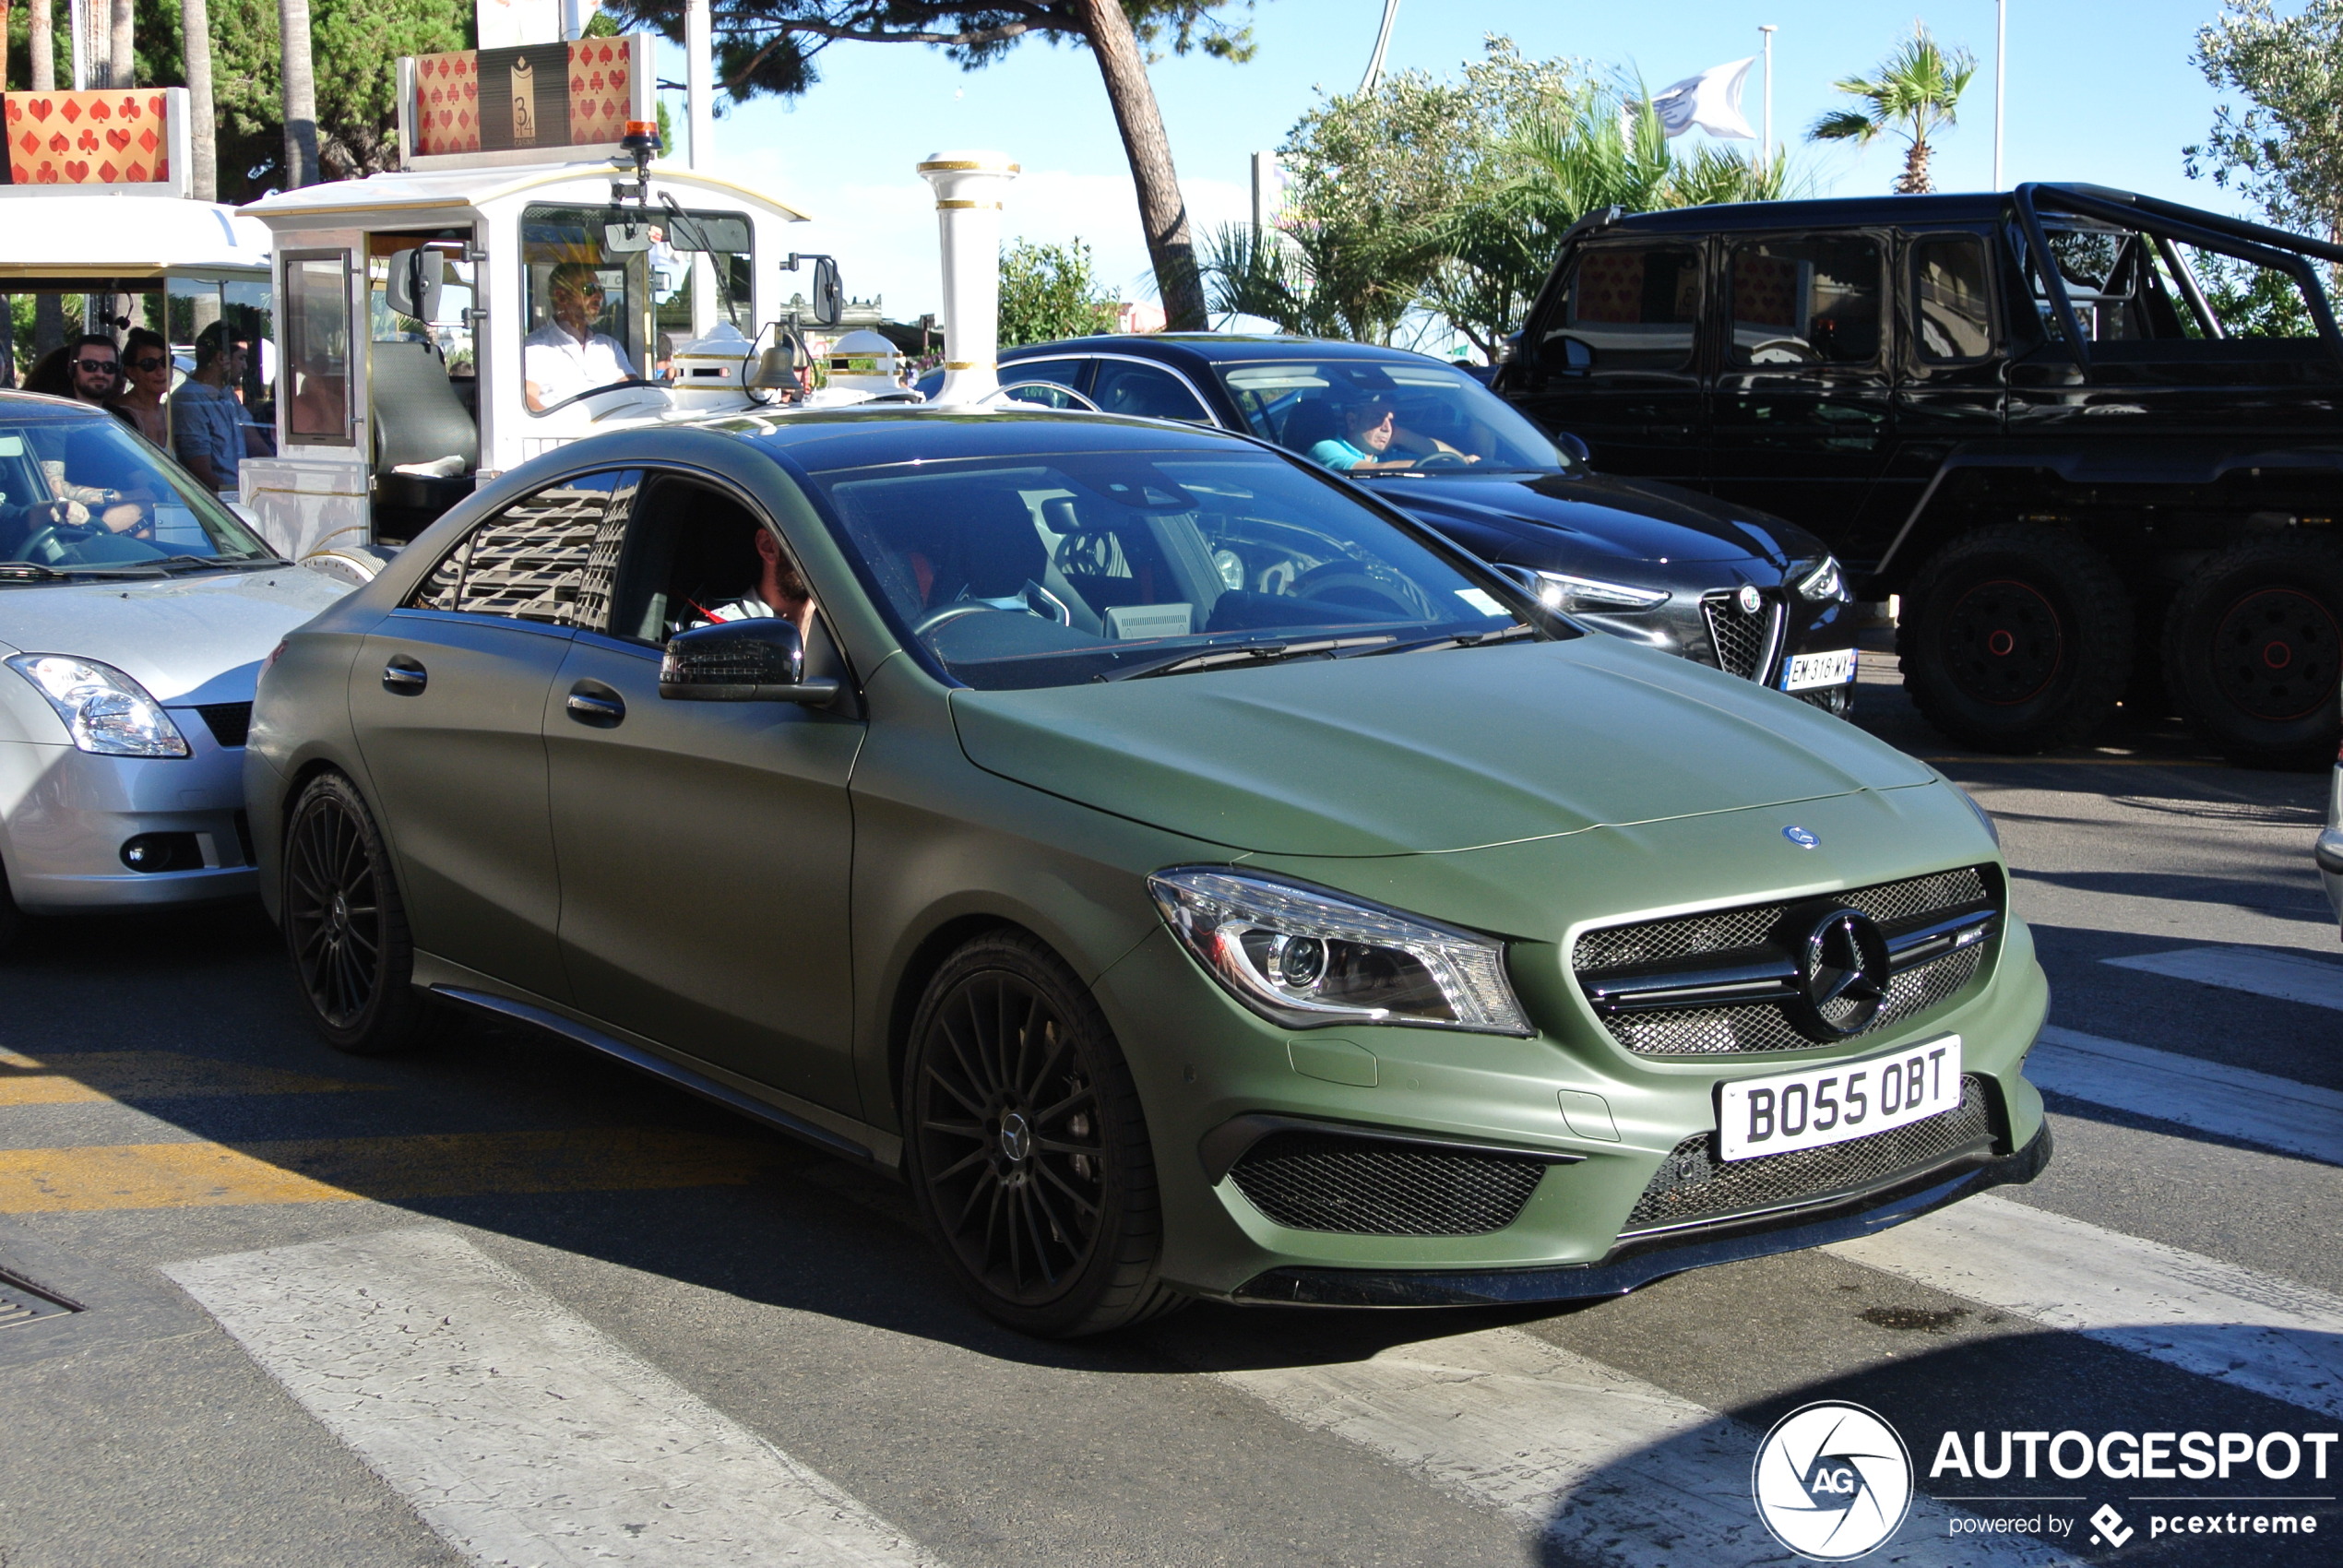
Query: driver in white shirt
(567, 356)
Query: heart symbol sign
(77, 171)
(118, 138)
(42, 108)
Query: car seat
(1309, 422)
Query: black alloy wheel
(2016, 638)
(1025, 1146)
(345, 926)
(2254, 649)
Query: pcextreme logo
(1832, 1481)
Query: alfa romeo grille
(1693, 1185)
(1367, 1187)
(1725, 981)
(1744, 642)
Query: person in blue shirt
(1372, 441)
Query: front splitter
(1627, 1269)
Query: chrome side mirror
(756, 661)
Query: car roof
(1191, 349)
(1837, 212)
(40, 405)
(854, 438)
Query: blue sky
(2098, 90)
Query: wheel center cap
(338, 912)
(2000, 644)
(2278, 656)
(1017, 1139)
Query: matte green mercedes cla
(1192, 876)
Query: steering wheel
(1791, 350)
(52, 539)
(1444, 460)
(936, 618)
(1347, 583)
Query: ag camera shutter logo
(1832, 1481)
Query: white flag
(1711, 100)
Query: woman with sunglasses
(146, 363)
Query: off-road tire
(346, 927)
(1019, 1113)
(2253, 651)
(2016, 638)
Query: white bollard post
(968, 187)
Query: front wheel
(1026, 1147)
(2253, 651)
(346, 928)
(2016, 639)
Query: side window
(549, 558)
(1628, 307)
(1806, 301)
(1950, 318)
(1056, 372)
(317, 317)
(1125, 387)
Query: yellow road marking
(195, 1175)
(80, 1076)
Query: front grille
(1694, 1185)
(1745, 642)
(1366, 1187)
(1757, 1026)
(1836, 701)
(227, 721)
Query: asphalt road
(507, 1301)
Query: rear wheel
(2253, 650)
(2016, 639)
(346, 928)
(1025, 1143)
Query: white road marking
(2219, 1320)
(2286, 976)
(2236, 1102)
(1612, 1469)
(517, 1431)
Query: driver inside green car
(781, 592)
(1374, 441)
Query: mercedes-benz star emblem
(1842, 974)
(1750, 600)
(1800, 837)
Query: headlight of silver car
(105, 711)
(1825, 582)
(1565, 592)
(1308, 957)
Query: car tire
(2253, 651)
(346, 927)
(2016, 639)
(11, 918)
(1019, 1116)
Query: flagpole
(1767, 28)
(2001, 79)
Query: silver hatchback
(135, 612)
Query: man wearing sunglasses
(97, 368)
(567, 356)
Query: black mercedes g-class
(2111, 478)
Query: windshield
(609, 293)
(87, 493)
(1050, 571)
(1367, 416)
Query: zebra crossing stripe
(1607, 1469)
(2286, 976)
(2234, 1102)
(514, 1428)
(2219, 1320)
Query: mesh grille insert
(227, 721)
(1743, 641)
(1706, 1031)
(1366, 1187)
(1693, 1184)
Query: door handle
(404, 677)
(590, 703)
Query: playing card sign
(98, 138)
(542, 97)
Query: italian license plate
(1806, 671)
(1845, 1100)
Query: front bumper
(64, 815)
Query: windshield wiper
(34, 571)
(1248, 653)
(217, 563)
(1465, 639)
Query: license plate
(1845, 1100)
(1807, 671)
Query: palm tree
(1916, 90)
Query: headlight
(105, 711)
(1825, 582)
(1307, 957)
(1983, 814)
(1561, 591)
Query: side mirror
(412, 288)
(1564, 355)
(829, 294)
(758, 660)
(626, 239)
(1574, 446)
